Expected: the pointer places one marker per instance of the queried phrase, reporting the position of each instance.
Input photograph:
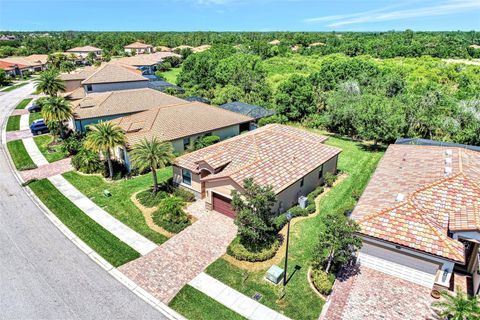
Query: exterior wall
(195, 187)
(139, 51)
(102, 87)
(221, 187)
(71, 85)
(81, 124)
(476, 275)
(224, 133)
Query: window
(186, 142)
(301, 182)
(89, 87)
(186, 177)
(320, 172)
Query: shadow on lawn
(297, 267)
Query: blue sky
(239, 15)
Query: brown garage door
(223, 205)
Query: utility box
(303, 202)
(107, 193)
(274, 274)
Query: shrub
(330, 179)
(72, 144)
(170, 215)
(315, 121)
(185, 195)
(150, 199)
(322, 281)
(87, 161)
(205, 141)
(164, 66)
(314, 194)
(173, 61)
(237, 250)
(278, 118)
(119, 170)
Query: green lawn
(13, 123)
(19, 154)
(171, 75)
(119, 204)
(100, 240)
(34, 116)
(300, 302)
(209, 308)
(23, 103)
(11, 88)
(42, 143)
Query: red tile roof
(5, 65)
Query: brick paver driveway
(20, 134)
(48, 170)
(165, 270)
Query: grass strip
(23, 103)
(42, 143)
(11, 88)
(34, 116)
(13, 123)
(21, 158)
(100, 240)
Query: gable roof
(110, 73)
(138, 45)
(253, 111)
(82, 74)
(173, 122)
(440, 194)
(103, 104)
(275, 155)
(84, 49)
(5, 65)
(29, 61)
(144, 59)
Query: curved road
(42, 274)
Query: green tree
(337, 241)
(91, 58)
(254, 214)
(57, 110)
(152, 154)
(55, 60)
(102, 138)
(295, 98)
(3, 78)
(458, 306)
(50, 83)
(67, 66)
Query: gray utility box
(274, 274)
(303, 202)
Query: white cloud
(386, 14)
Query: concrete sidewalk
(24, 119)
(34, 152)
(117, 228)
(233, 299)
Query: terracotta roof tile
(110, 73)
(138, 45)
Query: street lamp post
(289, 217)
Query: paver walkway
(121, 231)
(16, 135)
(164, 271)
(48, 170)
(34, 152)
(19, 112)
(233, 299)
(24, 119)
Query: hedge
(237, 250)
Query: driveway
(43, 274)
(165, 270)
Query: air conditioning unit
(303, 202)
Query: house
(7, 37)
(293, 161)
(146, 63)
(138, 48)
(180, 124)
(111, 77)
(275, 42)
(73, 80)
(32, 63)
(13, 69)
(109, 105)
(163, 49)
(181, 47)
(82, 52)
(250, 110)
(203, 47)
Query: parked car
(34, 108)
(39, 127)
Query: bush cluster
(322, 281)
(87, 161)
(185, 195)
(150, 199)
(237, 250)
(170, 215)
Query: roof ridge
(95, 72)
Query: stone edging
(310, 282)
(124, 280)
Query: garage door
(223, 205)
(399, 265)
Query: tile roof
(255, 112)
(5, 65)
(434, 200)
(84, 49)
(275, 155)
(110, 73)
(82, 74)
(138, 45)
(29, 61)
(169, 123)
(118, 102)
(144, 59)
(76, 94)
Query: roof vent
(448, 152)
(448, 160)
(400, 197)
(448, 170)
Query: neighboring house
(250, 110)
(13, 69)
(31, 63)
(180, 124)
(275, 42)
(181, 47)
(111, 77)
(146, 63)
(105, 106)
(82, 52)
(293, 161)
(163, 49)
(138, 48)
(7, 38)
(203, 47)
(73, 80)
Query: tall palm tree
(152, 154)
(458, 306)
(103, 137)
(50, 83)
(57, 109)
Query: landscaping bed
(23, 104)
(34, 116)
(21, 158)
(51, 151)
(103, 242)
(13, 123)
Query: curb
(115, 273)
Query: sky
(239, 15)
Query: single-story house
(420, 215)
(73, 80)
(290, 160)
(13, 69)
(256, 112)
(180, 124)
(82, 52)
(111, 77)
(147, 63)
(32, 63)
(138, 48)
(105, 106)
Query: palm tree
(152, 154)
(49, 83)
(458, 306)
(103, 137)
(57, 109)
